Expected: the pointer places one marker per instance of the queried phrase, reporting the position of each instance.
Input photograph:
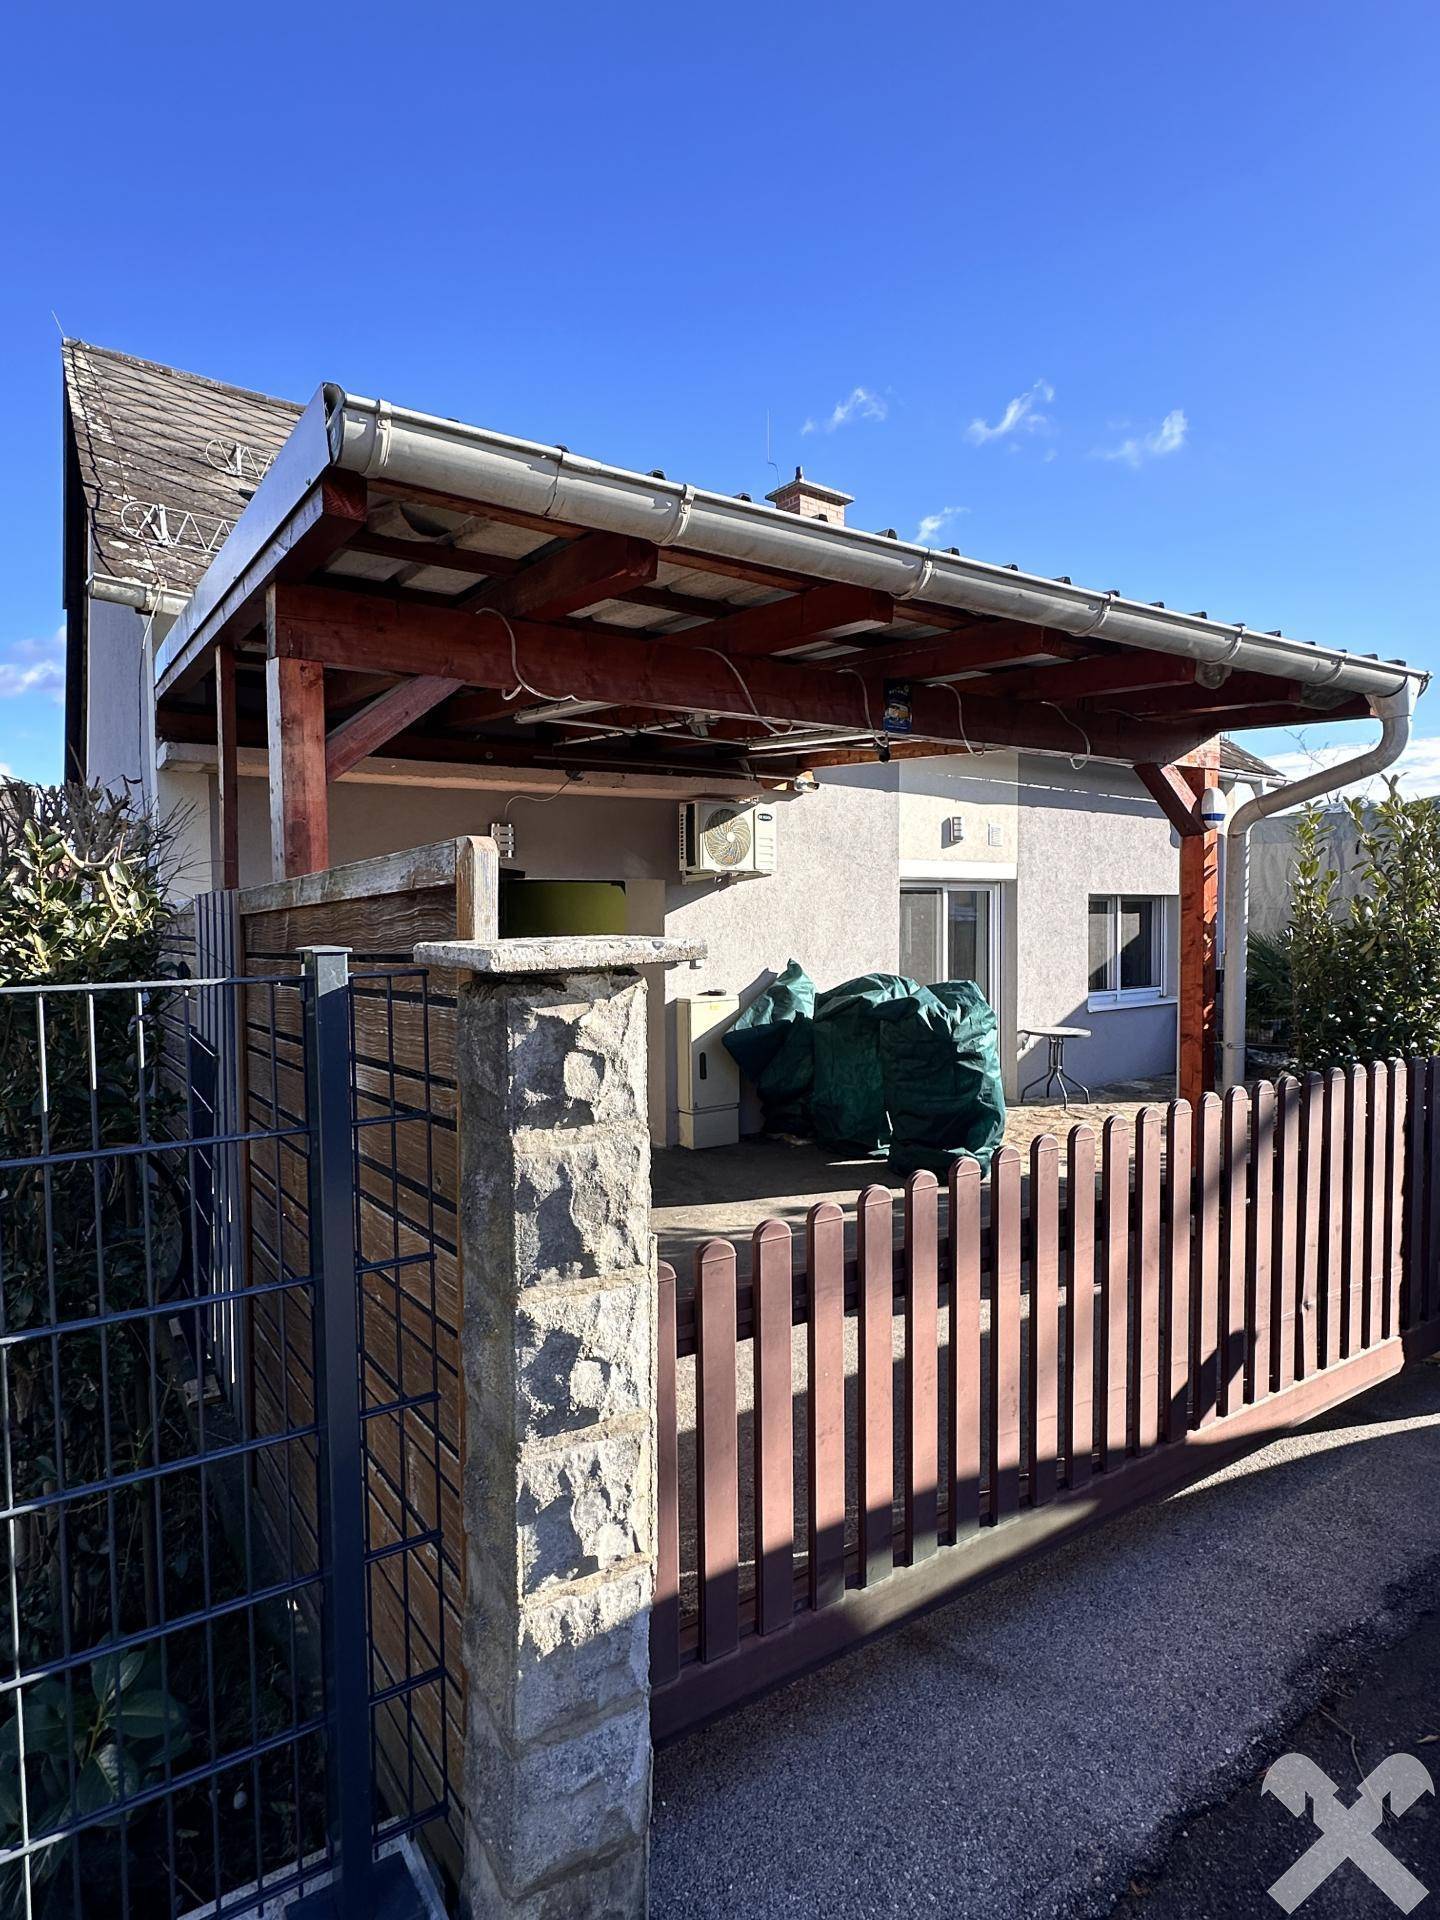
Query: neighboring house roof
(1237, 759)
(166, 462)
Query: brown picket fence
(851, 1437)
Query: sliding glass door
(951, 933)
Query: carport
(408, 586)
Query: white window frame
(952, 883)
(1114, 995)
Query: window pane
(1099, 943)
(1139, 947)
(968, 917)
(920, 936)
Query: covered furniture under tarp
(879, 1062)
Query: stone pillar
(558, 1347)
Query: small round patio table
(1055, 1074)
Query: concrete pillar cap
(581, 953)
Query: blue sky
(1141, 294)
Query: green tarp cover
(876, 1061)
(940, 1058)
(848, 1101)
(772, 1046)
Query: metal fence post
(337, 1385)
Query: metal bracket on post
(351, 1892)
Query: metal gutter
(1394, 712)
(403, 448)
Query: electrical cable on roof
(1078, 761)
(522, 685)
(743, 688)
(541, 799)
(871, 728)
(959, 714)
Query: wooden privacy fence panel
(1012, 1361)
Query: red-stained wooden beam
(299, 804)
(1085, 679)
(360, 632)
(563, 579)
(228, 782)
(817, 615)
(556, 582)
(1174, 797)
(380, 720)
(990, 643)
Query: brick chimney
(811, 501)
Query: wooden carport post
(295, 717)
(1177, 790)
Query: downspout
(1393, 710)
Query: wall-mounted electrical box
(707, 1081)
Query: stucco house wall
(1082, 831)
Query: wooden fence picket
(1230, 1304)
(1332, 1202)
(1310, 1238)
(1375, 1178)
(964, 1332)
(1287, 1278)
(1205, 1306)
(1395, 1205)
(717, 1450)
(1412, 1289)
(1145, 1343)
(874, 1258)
(1357, 1241)
(1004, 1395)
(825, 1256)
(1179, 1132)
(922, 1320)
(665, 1606)
(1114, 1289)
(770, 1269)
(1042, 1440)
(1429, 1302)
(1079, 1408)
(1259, 1243)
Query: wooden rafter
(821, 613)
(1085, 679)
(989, 643)
(556, 582)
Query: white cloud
(1418, 768)
(33, 666)
(861, 403)
(934, 523)
(1168, 437)
(1020, 415)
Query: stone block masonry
(558, 1348)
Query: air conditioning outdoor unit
(717, 837)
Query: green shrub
(1365, 976)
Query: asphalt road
(1035, 1750)
(1221, 1862)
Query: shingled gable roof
(166, 462)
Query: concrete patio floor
(728, 1191)
(1023, 1753)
